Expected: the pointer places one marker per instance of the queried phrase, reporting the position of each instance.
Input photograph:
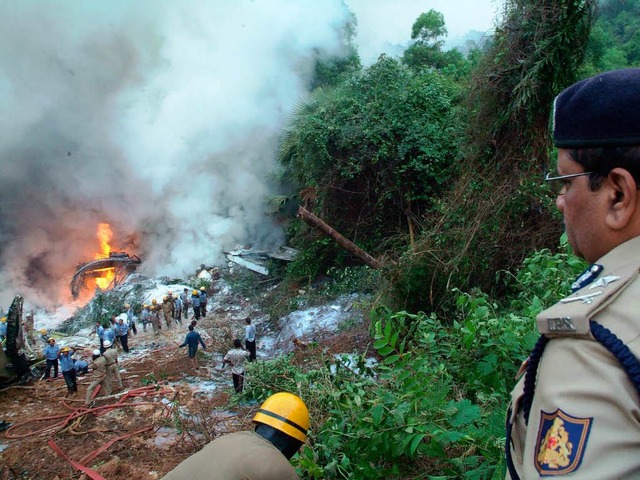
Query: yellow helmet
(154, 301)
(144, 305)
(43, 331)
(3, 319)
(195, 292)
(285, 412)
(65, 349)
(127, 305)
(165, 298)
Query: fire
(106, 275)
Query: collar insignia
(586, 277)
(561, 443)
(604, 281)
(588, 298)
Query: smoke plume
(160, 118)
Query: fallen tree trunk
(310, 219)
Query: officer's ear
(622, 195)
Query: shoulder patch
(561, 443)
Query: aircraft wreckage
(14, 364)
(118, 264)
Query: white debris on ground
(310, 325)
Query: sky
(161, 119)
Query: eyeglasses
(558, 183)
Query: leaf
(415, 442)
(376, 414)
(387, 330)
(378, 344)
(384, 351)
(391, 359)
(466, 414)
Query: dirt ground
(166, 417)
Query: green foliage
(361, 279)
(313, 260)
(615, 39)
(373, 150)
(497, 211)
(149, 379)
(429, 29)
(434, 406)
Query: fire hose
(66, 419)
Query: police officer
(576, 410)
(100, 377)
(281, 428)
(113, 369)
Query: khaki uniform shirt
(584, 421)
(236, 456)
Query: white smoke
(161, 118)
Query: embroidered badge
(562, 440)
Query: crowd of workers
(113, 336)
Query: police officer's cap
(600, 111)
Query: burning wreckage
(14, 364)
(113, 270)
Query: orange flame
(107, 274)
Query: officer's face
(583, 210)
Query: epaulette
(571, 315)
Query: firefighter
(51, 353)
(184, 296)
(281, 426)
(155, 317)
(68, 370)
(195, 303)
(203, 302)
(167, 310)
(145, 317)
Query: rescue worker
(100, 332)
(281, 426)
(68, 370)
(250, 338)
(236, 357)
(203, 302)
(100, 377)
(131, 319)
(192, 339)
(44, 336)
(51, 352)
(195, 303)
(109, 336)
(145, 317)
(167, 310)
(184, 296)
(29, 326)
(575, 411)
(177, 308)
(113, 325)
(81, 366)
(123, 330)
(155, 317)
(111, 356)
(3, 329)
